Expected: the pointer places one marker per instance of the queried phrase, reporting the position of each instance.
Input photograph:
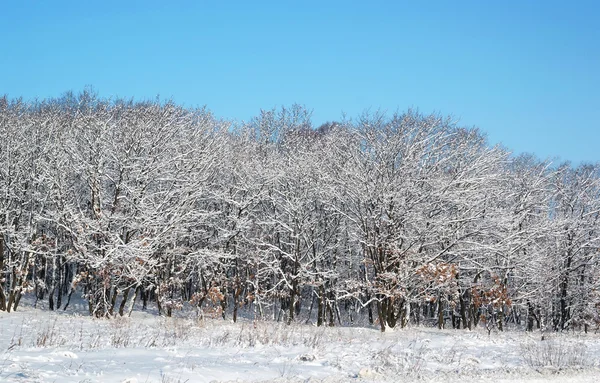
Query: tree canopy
(394, 219)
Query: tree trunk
(463, 309)
(291, 302)
(381, 313)
(564, 286)
(530, 317)
(2, 293)
(320, 306)
(223, 303)
(500, 318)
(370, 309)
(17, 300)
(133, 298)
(312, 303)
(124, 301)
(440, 313)
(237, 291)
(113, 301)
(13, 290)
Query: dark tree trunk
(2, 293)
(237, 291)
(370, 309)
(381, 313)
(530, 317)
(440, 313)
(500, 318)
(463, 296)
(321, 306)
(124, 301)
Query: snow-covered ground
(42, 346)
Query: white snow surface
(44, 346)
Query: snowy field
(42, 346)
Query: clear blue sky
(525, 72)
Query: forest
(389, 219)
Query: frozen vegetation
(156, 243)
(43, 346)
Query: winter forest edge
(384, 219)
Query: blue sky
(525, 72)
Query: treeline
(392, 219)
